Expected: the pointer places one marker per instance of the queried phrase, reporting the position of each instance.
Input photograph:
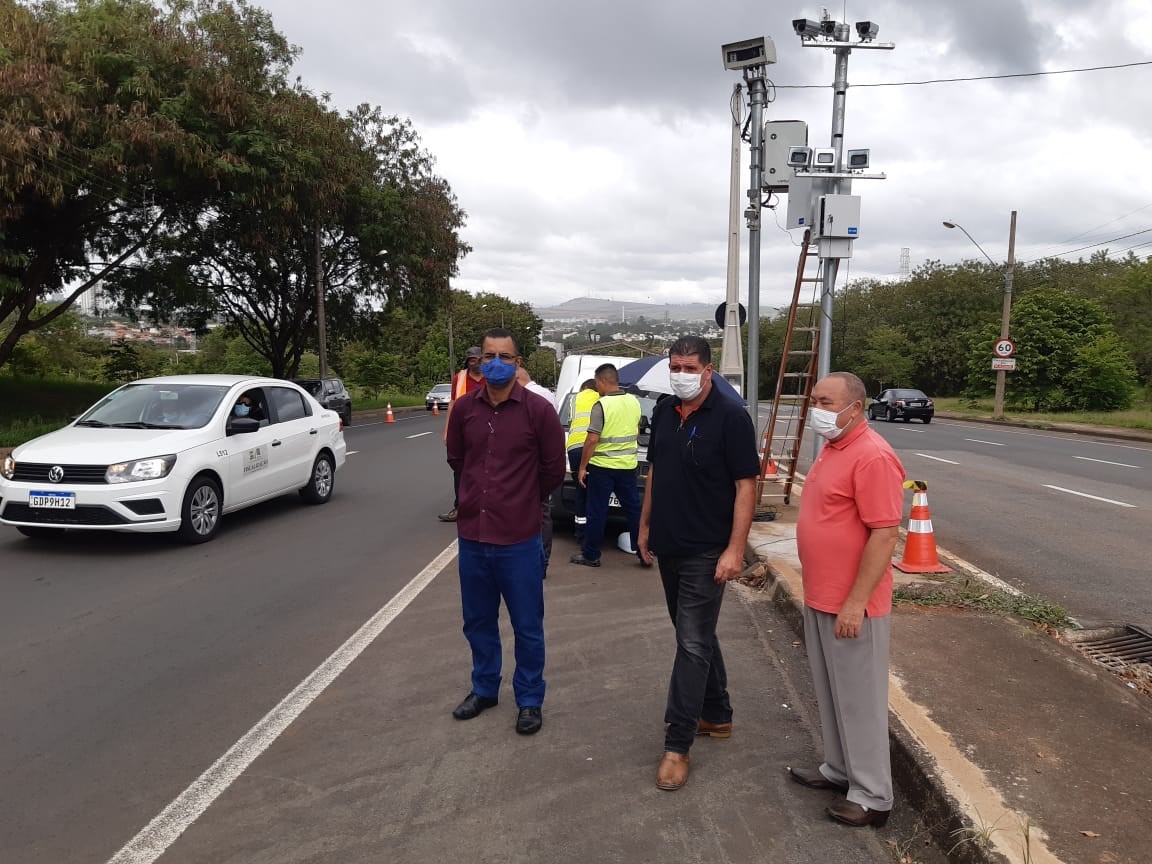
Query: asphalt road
(129, 663)
(1061, 516)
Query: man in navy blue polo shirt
(698, 507)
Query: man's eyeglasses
(507, 358)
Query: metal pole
(1006, 316)
(758, 98)
(832, 265)
(731, 361)
(451, 345)
(321, 326)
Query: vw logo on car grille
(55, 473)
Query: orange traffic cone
(920, 544)
(772, 469)
(388, 418)
(436, 407)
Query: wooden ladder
(780, 449)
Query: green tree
(1068, 355)
(542, 366)
(120, 120)
(886, 360)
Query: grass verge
(963, 593)
(1137, 417)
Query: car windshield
(908, 394)
(442, 389)
(313, 387)
(156, 406)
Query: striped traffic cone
(436, 407)
(920, 544)
(388, 418)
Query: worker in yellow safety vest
(608, 463)
(577, 434)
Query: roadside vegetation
(960, 592)
(1139, 416)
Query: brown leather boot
(714, 730)
(673, 771)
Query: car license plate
(52, 500)
(613, 501)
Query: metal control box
(803, 195)
(839, 217)
(779, 137)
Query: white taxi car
(171, 454)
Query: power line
(1091, 246)
(1098, 227)
(971, 78)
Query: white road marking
(1086, 495)
(362, 425)
(978, 441)
(937, 459)
(155, 838)
(417, 435)
(1106, 462)
(351, 452)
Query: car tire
(322, 481)
(927, 420)
(346, 419)
(37, 532)
(907, 418)
(891, 417)
(871, 412)
(201, 511)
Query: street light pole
(1006, 311)
(1005, 317)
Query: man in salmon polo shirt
(847, 530)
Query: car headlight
(140, 469)
(9, 469)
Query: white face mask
(823, 422)
(686, 385)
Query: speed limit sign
(1004, 348)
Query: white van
(576, 369)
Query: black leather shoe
(813, 779)
(473, 705)
(529, 721)
(851, 813)
(583, 562)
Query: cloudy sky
(589, 141)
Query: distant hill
(597, 309)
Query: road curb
(914, 767)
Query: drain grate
(1117, 647)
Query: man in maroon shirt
(507, 446)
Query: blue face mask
(241, 410)
(497, 372)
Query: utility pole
(731, 361)
(1006, 316)
(451, 346)
(321, 326)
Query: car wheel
(927, 420)
(319, 488)
(907, 418)
(891, 417)
(871, 412)
(38, 533)
(201, 511)
(347, 418)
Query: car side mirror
(242, 425)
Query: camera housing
(799, 157)
(806, 28)
(857, 160)
(867, 30)
(749, 52)
(824, 158)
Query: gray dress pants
(851, 680)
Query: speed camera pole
(731, 362)
(832, 265)
(757, 98)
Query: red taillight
(341, 424)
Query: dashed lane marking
(417, 435)
(978, 441)
(1093, 497)
(159, 834)
(1106, 462)
(937, 459)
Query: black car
(331, 393)
(902, 405)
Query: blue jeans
(601, 483)
(699, 686)
(515, 573)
